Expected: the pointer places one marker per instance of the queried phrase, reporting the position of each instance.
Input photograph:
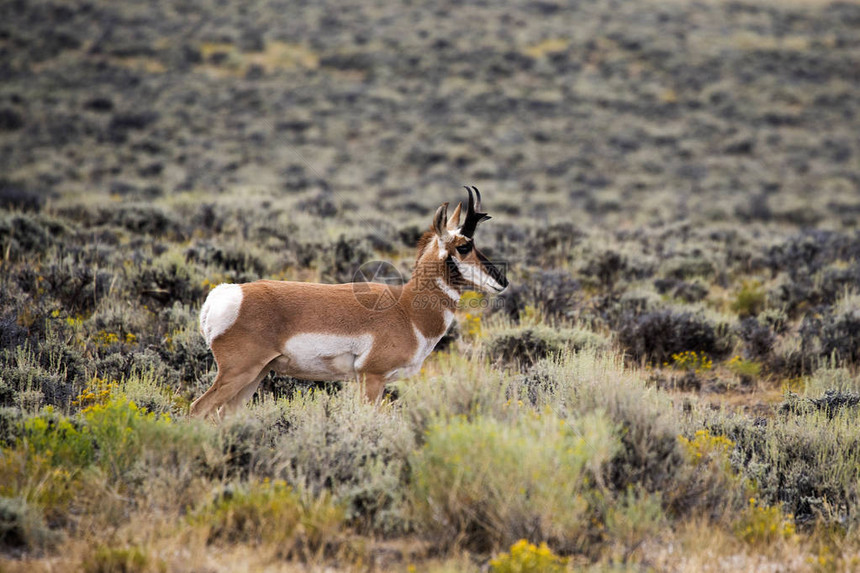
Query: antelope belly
(326, 356)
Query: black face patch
(453, 273)
(492, 270)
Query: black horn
(473, 217)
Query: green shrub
(746, 370)
(273, 513)
(144, 389)
(489, 483)
(830, 377)
(526, 345)
(658, 335)
(320, 442)
(750, 299)
(22, 526)
(24, 235)
(117, 560)
(168, 279)
(634, 517)
(465, 385)
(651, 458)
(806, 458)
(46, 374)
(60, 463)
(349, 447)
(577, 383)
(688, 267)
(44, 465)
(29, 386)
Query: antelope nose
(502, 279)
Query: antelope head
(466, 268)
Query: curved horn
(473, 214)
(478, 204)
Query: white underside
(220, 311)
(318, 356)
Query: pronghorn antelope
(326, 332)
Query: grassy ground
(670, 383)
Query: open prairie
(670, 383)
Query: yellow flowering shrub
(58, 439)
(44, 466)
(109, 433)
(210, 283)
(705, 447)
(525, 557)
(104, 339)
(120, 428)
(470, 324)
(691, 361)
(98, 391)
(760, 523)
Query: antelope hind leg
(233, 383)
(247, 392)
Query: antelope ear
(454, 220)
(439, 220)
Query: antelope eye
(464, 249)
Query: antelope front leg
(373, 387)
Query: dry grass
(663, 179)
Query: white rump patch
(476, 275)
(327, 356)
(220, 311)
